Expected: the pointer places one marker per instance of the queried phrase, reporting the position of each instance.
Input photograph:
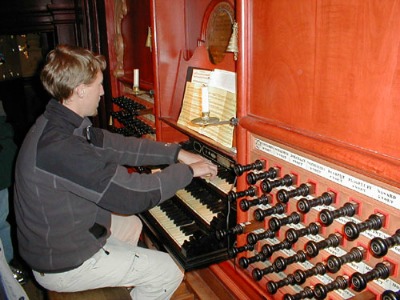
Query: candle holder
(205, 119)
(136, 90)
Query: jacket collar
(59, 114)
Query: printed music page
(223, 79)
(201, 76)
(222, 105)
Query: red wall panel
(327, 70)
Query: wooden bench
(197, 285)
(109, 293)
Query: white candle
(136, 78)
(204, 99)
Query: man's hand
(201, 166)
(189, 158)
(204, 169)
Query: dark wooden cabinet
(54, 22)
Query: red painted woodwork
(240, 284)
(134, 28)
(198, 60)
(206, 17)
(177, 25)
(136, 56)
(171, 114)
(321, 77)
(112, 59)
(169, 41)
(324, 76)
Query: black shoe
(19, 274)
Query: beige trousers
(153, 274)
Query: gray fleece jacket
(70, 177)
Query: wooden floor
(197, 285)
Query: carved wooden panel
(219, 31)
(120, 11)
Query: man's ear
(80, 90)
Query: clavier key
(200, 209)
(168, 225)
(223, 181)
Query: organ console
(313, 248)
(321, 290)
(262, 200)
(268, 185)
(300, 275)
(238, 229)
(293, 235)
(240, 169)
(251, 191)
(379, 247)
(232, 252)
(276, 223)
(390, 295)
(260, 214)
(307, 293)
(382, 270)
(352, 230)
(330, 234)
(268, 249)
(314, 164)
(272, 173)
(334, 263)
(303, 190)
(304, 205)
(327, 217)
(192, 224)
(253, 238)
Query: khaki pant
(153, 274)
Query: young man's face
(93, 93)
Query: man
(74, 199)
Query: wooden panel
(193, 22)
(282, 53)
(328, 71)
(357, 84)
(25, 16)
(170, 41)
(136, 55)
(205, 285)
(200, 59)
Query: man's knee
(126, 228)
(137, 223)
(175, 273)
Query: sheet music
(201, 76)
(223, 79)
(222, 105)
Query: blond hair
(69, 66)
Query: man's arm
(201, 166)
